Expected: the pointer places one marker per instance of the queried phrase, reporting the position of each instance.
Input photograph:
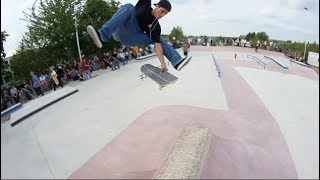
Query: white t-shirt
(42, 78)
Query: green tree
(177, 33)
(95, 13)
(250, 36)
(262, 36)
(5, 70)
(51, 36)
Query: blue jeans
(114, 65)
(87, 74)
(124, 28)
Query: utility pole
(304, 54)
(305, 45)
(76, 26)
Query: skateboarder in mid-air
(138, 25)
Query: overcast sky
(280, 19)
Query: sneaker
(95, 36)
(182, 63)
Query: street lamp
(76, 26)
(305, 48)
(305, 45)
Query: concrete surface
(118, 126)
(188, 155)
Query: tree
(262, 36)
(250, 36)
(176, 33)
(51, 36)
(95, 13)
(5, 70)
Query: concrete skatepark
(264, 121)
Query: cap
(165, 4)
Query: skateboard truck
(143, 76)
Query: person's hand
(164, 68)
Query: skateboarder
(139, 25)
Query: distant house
(8, 59)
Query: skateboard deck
(162, 79)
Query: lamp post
(305, 44)
(305, 48)
(76, 26)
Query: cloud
(282, 19)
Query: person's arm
(159, 52)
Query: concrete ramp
(40, 103)
(186, 159)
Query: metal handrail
(258, 60)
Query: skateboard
(162, 79)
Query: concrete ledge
(300, 63)
(40, 103)
(277, 61)
(146, 56)
(186, 159)
(11, 109)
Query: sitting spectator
(114, 61)
(75, 64)
(3, 104)
(28, 87)
(7, 100)
(86, 69)
(95, 63)
(122, 58)
(25, 94)
(80, 74)
(66, 71)
(74, 74)
(15, 94)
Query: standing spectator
(186, 47)
(54, 78)
(136, 51)
(44, 83)
(36, 84)
(60, 74)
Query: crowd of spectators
(62, 73)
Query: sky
(280, 19)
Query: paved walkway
(264, 122)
